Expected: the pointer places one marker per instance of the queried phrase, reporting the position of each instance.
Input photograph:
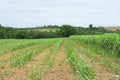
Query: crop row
(45, 63)
(108, 44)
(21, 57)
(12, 45)
(84, 70)
(101, 59)
(17, 60)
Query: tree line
(35, 33)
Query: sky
(31, 13)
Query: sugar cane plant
(83, 69)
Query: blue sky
(28, 13)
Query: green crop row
(108, 43)
(103, 60)
(21, 58)
(45, 63)
(13, 45)
(7, 41)
(84, 70)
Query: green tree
(1, 35)
(91, 26)
(67, 30)
(20, 34)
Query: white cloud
(26, 13)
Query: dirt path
(61, 69)
(22, 73)
(100, 72)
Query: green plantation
(109, 43)
(79, 57)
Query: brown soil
(101, 73)
(60, 70)
(22, 73)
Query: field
(46, 29)
(112, 28)
(86, 57)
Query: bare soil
(102, 74)
(61, 70)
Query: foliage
(50, 31)
(18, 59)
(84, 70)
(91, 26)
(102, 58)
(45, 63)
(107, 42)
(67, 30)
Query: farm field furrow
(14, 45)
(45, 64)
(61, 70)
(103, 60)
(21, 57)
(83, 70)
(101, 73)
(6, 69)
(6, 55)
(22, 73)
(106, 45)
(83, 57)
